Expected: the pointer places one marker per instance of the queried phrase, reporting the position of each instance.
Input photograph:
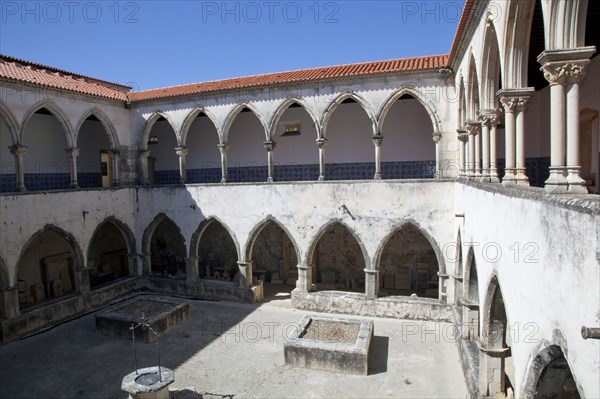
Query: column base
(223, 180)
(377, 176)
(74, 186)
(510, 177)
(521, 177)
(576, 183)
(22, 189)
(494, 176)
(557, 182)
(270, 180)
(321, 178)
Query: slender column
(472, 129)
(9, 303)
(223, 148)
(322, 142)
(493, 173)
(73, 153)
(463, 137)
(246, 271)
(182, 153)
(437, 137)
(144, 154)
(509, 104)
(478, 154)
(485, 147)
(270, 146)
(520, 142)
(304, 283)
(116, 158)
(371, 283)
(576, 183)
(19, 152)
(377, 140)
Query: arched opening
(163, 162)
(167, 250)
(408, 265)
(496, 365)
(203, 162)
(471, 300)
(297, 152)
(46, 165)
(274, 259)
(338, 261)
(458, 272)
(408, 150)
(349, 154)
(94, 164)
(46, 268)
(8, 175)
(216, 251)
(108, 255)
(556, 379)
(247, 157)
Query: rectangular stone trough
(161, 314)
(331, 343)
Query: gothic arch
(491, 67)
(122, 227)
(57, 113)
(11, 123)
(235, 112)
(149, 231)
(472, 90)
(106, 124)
(189, 120)
(516, 42)
(197, 236)
(309, 254)
(284, 106)
(335, 104)
(487, 303)
(566, 24)
(470, 282)
(259, 228)
(148, 128)
(389, 103)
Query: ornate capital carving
(270, 145)
(489, 117)
(514, 104)
(181, 151)
(472, 128)
(462, 135)
(437, 137)
(565, 73)
(18, 150)
(322, 142)
(377, 140)
(223, 147)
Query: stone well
(331, 343)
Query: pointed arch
(57, 113)
(472, 90)
(335, 104)
(458, 260)
(517, 31)
(462, 103)
(189, 120)
(470, 279)
(566, 24)
(128, 235)
(197, 236)
(106, 124)
(151, 228)
(310, 251)
(284, 107)
(235, 112)
(491, 67)
(148, 235)
(259, 228)
(74, 247)
(11, 123)
(389, 103)
(150, 124)
(492, 291)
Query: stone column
(73, 153)
(191, 273)
(223, 148)
(478, 153)
(510, 173)
(270, 146)
(377, 140)
(116, 158)
(19, 152)
(492, 364)
(524, 97)
(485, 146)
(564, 70)
(322, 142)
(463, 138)
(443, 291)
(437, 137)
(304, 283)
(9, 303)
(371, 283)
(246, 271)
(472, 129)
(144, 154)
(493, 172)
(82, 280)
(182, 153)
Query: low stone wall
(360, 305)
(212, 290)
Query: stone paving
(229, 350)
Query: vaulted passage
(167, 249)
(217, 256)
(408, 265)
(94, 164)
(273, 255)
(203, 159)
(163, 162)
(339, 261)
(8, 176)
(556, 379)
(108, 259)
(247, 154)
(45, 270)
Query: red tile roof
(462, 25)
(304, 75)
(19, 70)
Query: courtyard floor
(229, 350)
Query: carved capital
(322, 142)
(18, 150)
(472, 128)
(181, 151)
(565, 73)
(223, 147)
(377, 140)
(437, 137)
(270, 145)
(462, 135)
(514, 104)
(72, 152)
(489, 117)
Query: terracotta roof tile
(304, 75)
(462, 25)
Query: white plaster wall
(556, 274)
(46, 142)
(164, 151)
(246, 142)
(301, 149)
(202, 140)
(91, 139)
(349, 135)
